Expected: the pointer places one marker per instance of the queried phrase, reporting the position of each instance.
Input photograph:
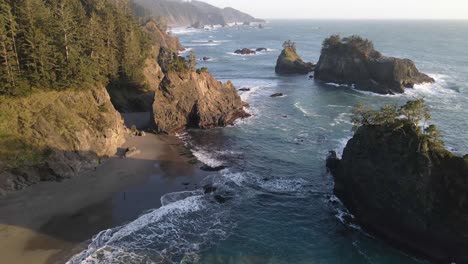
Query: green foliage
(69, 44)
(202, 70)
(178, 64)
(353, 43)
(192, 61)
(288, 44)
(414, 112)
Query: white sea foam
(340, 85)
(305, 111)
(343, 118)
(207, 157)
(118, 245)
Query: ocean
(280, 206)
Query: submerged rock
(212, 169)
(402, 185)
(354, 61)
(290, 63)
(244, 89)
(261, 49)
(209, 188)
(276, 95)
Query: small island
(402, 185)
(354, 61)
(289, 61)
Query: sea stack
(402, 184)
(354, 61)
(290, 63)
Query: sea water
(281, 207)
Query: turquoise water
(282, 209)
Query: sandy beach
(51, 221)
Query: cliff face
(180, 13)
(53, 135)
(290, 63)
(139, 98)
(401, 186)
(354, 61)
(195, 100)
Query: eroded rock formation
(354, 61)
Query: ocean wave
(203, 44)
(343, 118)
(164, 234)
(306, 112)
(207, 157)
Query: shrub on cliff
(353, 43)
(414, 112)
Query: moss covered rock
(56, 134)
(290, 63)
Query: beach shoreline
(52, 221)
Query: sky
(350, 9)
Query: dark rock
(332, 162)
(209, 188)
(131, 152)
(221, 199)
(354, 61)
(277, 95)
(290, 63)
(212, 169)
(405, 188)
(245, 51)
(206, 59)
(244, 89)
(186, 183)
(261, 49)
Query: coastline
(50, 222)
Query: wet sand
(50, 222)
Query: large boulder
(354, 61)
(290, 63)
(195, 100)
(405, 187)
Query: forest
(62, 44)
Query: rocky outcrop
(56, 135)
(290, 63)
(354, 61)
(196, 13)
(404, 187)
(245, 51)
(140, 97)
(195, 100)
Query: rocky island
(401, 184)
(354, 61)
(290, 63)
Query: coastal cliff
(403, 185)
(289, 61)
(53, 135)
(354, 61)
(58, 122)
